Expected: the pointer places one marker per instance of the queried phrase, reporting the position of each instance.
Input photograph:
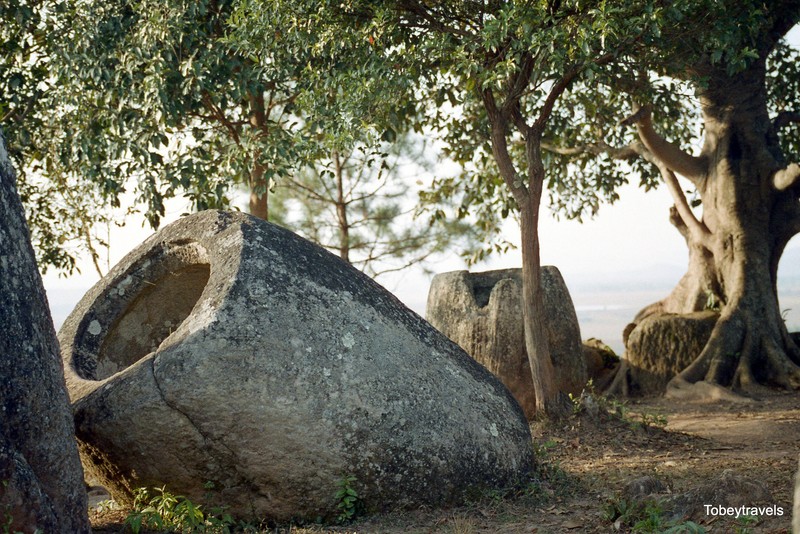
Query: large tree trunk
(749, 214)
(40, 472)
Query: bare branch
(786, 177)
(692, 167)
(628, 152)
(698, 228)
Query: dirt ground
(588, 459)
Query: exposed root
(739, 358)
(725, 344)
(701, 391)
(619, 384)
(792, 350)
(782, 371)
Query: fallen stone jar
(241, 365)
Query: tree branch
(785, 118)
(628, 152)
(219, 115)
(786, 177)
(670, 154)
(434, 21)
(505, 164)
(699, 230)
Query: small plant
(743, 524)
(654, 419)
(161, 510)
(347, 499)
(576, 403)
(106, 505)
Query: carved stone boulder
(227, 350)
(482, 312)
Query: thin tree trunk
(549, 401)
(548, 398)
(541, 365)
(341, 209)
(259, 188)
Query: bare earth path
(591, 458)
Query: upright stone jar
(482, 312)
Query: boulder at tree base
(482, 312)
(225, 349)
(663, 345)
(41, 482)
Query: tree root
(618, 383)
(739, 360)
(702, 391)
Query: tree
(40, 472)
(357, 204)
(744, 79)
(749, 191)
(498, 64)
(136, 102)
(153, 99)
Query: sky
(626, 257)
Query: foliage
(347, 501)
(654, 419)
(57, 209)
(743, 524)
(159, 509)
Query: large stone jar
(229, 351)
(482, 312)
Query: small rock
(643, 487)
(727, 489)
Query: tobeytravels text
(743, 510)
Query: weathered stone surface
(728, 489)
(482, 312)
(229, 350)
(661, 346)
(42, 482)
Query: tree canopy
(526, 96)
